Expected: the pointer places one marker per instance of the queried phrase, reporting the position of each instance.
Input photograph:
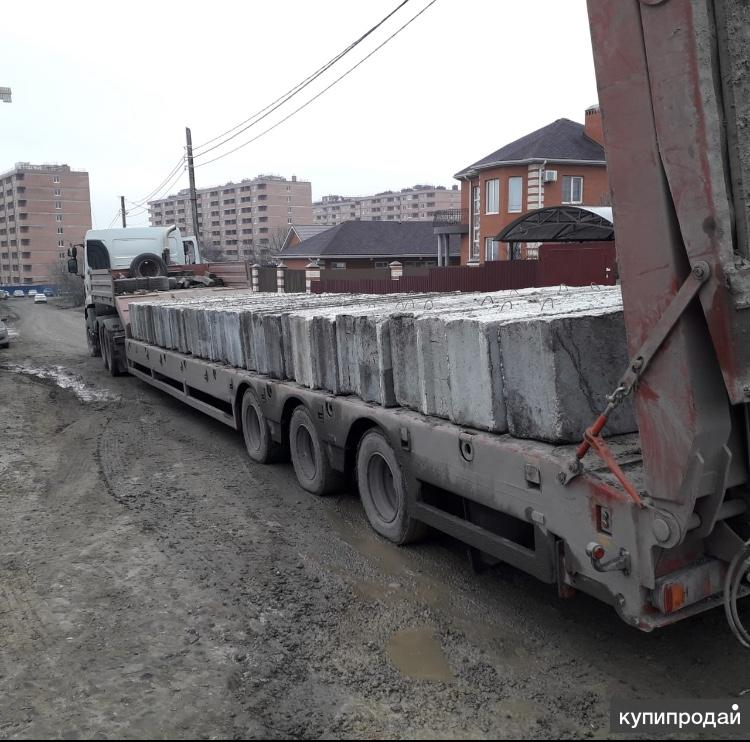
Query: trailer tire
(259, 444)
(148, 265)
(310, 460)
(383, 491)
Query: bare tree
(212, 254)
(277, 239)
(69, 285)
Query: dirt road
(156, 583)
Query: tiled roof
(559, 141)
(375, 239)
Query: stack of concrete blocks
(539, 366)
(536, 363)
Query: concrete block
(475, 375)
(558, 371)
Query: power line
(162, 190)
(114, 218)
(315, 97)
(263, 112)
(160, 187)
(166, 189)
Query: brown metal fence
(574, 264)
(294, 281)
(355, 274)
(491, 277)
(578, 264)
(267, 278)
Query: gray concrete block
(475, 375)
(406, 371)
(434, 367)
(374, 380)
(558, 371)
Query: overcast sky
(110, 88)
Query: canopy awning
(561, 224)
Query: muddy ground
(156, 583)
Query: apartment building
(409, 204)
(561, 164)
(245, 220)
(43, 210)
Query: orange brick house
(560, 164)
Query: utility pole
(122, 210)
(193, 194)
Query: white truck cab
(116, 248)
(122, 248)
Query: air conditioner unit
(550, 176)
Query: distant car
(18, 292)
(40, 299)
(4, 294)
(31, 292)
(49, 292)
(4, 337)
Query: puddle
(65, 380)
(417, 654)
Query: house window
(59, 230)
(55, 178)
(58, 192)
(58, 217)
(61, 243)
(381, 263)
(515, 194)
(492, 195)
(572, 189)
(491, 249)
(338, 266)
(476, 205)
(58, 204)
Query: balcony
(451, 221)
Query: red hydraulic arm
(672, 79)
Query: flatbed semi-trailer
(526, 503)
(508, 499)
(656, 524)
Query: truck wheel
(311, 465)
(383, 490)
(113, 362)
(92, 339)
(148, 265)
(103, 346)
(258, 442)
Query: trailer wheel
(382, 489)
(258, 442)
(311, 465)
